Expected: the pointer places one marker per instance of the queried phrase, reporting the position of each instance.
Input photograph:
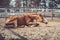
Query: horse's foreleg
(30, 22)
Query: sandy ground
(51, 31)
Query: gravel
(51, 31)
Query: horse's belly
(21, 22)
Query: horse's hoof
(8, 26)
(36, 25)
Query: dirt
(51, 31)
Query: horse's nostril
(5, 24)
(46, 23)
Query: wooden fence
(52, 13)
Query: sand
(51, 31)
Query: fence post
(5, 14)
(52, 14)
(44, 12)
(36, 13)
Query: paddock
(51, 31)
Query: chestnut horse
(25, 19)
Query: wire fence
(51, 13)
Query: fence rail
(5, 12)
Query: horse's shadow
(1, 37)
(16, 34)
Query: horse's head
(40, 18)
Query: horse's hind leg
(15, 24)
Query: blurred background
(49, 4)
(48, 8)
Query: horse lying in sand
(26, 19)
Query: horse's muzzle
(46, 22)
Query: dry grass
(51, 31)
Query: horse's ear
(40, 15)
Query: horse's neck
(33, 16)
